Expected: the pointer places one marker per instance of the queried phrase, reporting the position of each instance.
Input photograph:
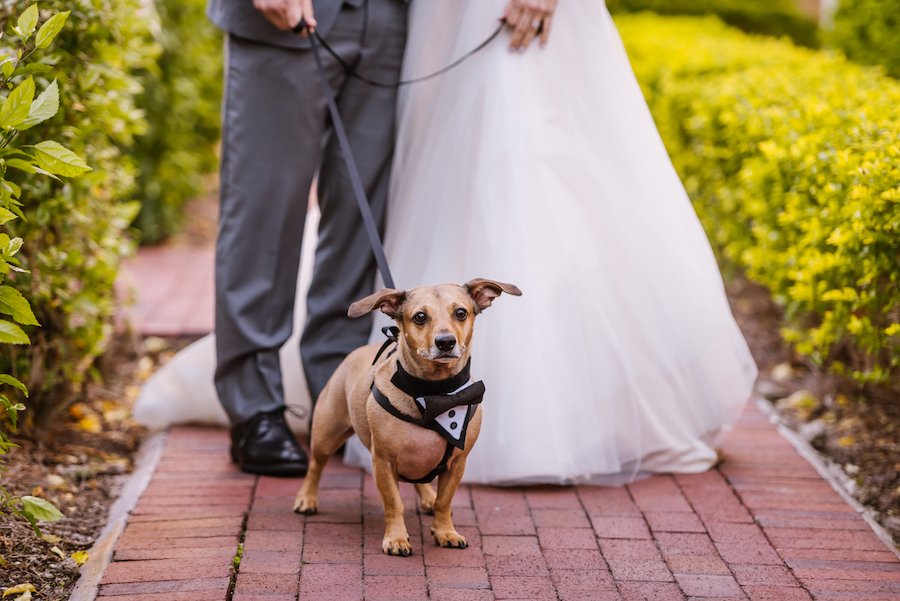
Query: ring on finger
(536, 24)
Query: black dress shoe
(265, 445)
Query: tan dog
(433, 350)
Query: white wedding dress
(544, 169)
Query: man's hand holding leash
(287, 14)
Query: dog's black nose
(445, 342)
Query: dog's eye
(420, 317)
(461, 314)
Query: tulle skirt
(544, 169)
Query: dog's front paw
(451, 539)
(305, 504)
(397, 546)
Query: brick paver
(737, 532)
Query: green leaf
(21, 165)
(12, 247)
(49, 29)
(13, 189)
(18, 103)
(9, 67)
(12, 411)
(27, 20)
(57, 159)
(32, 68)
(44, 106)
(10, 333)
(9, 153)
(7, 379)
(43, 511)
(14, 304)
(31, 519)
(6, 215)
(18, 212)
(47, 173)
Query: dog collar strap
(417, 387)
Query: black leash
(379, 84)
(358, 189)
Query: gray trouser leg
(345, 266)
(274, 121)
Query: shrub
(181, 98)
(22, 110)
(76, 231)
(869, 32)
(792, 160)
(769, 17)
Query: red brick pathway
(172, 288)
(764, 526)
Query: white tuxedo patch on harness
(452, 420)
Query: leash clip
(392, 332)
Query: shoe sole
(282, 470)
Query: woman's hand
(286, 14)
(526, 17)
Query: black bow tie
(439, 395)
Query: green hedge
(770, 17)
(792, 159)
(869, 32)
(77, 230)
(182, 94)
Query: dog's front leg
(445, 535)
(396, 537)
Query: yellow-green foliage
(792, 159)
(770, 17)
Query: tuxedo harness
(447, 406)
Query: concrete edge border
(147, 459)
(830, 471)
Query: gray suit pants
(276, 135)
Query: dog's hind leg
(445, 535)
(426, 498)
(330, 429)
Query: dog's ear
(484, 291)
(388, 300)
